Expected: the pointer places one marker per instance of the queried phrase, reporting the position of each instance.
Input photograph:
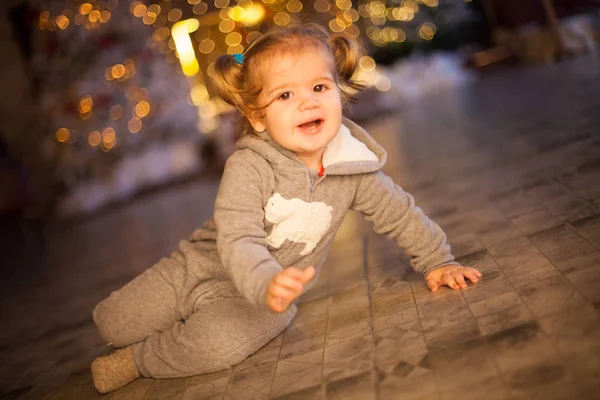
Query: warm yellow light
(174, 15)
(236, 49)
(226, 25)
(336, 25)
(62, 22)
(210, 70)
(141, 94)
(161, 33)
(109, 138)
(142, 109)
(155, 8)
(149, 18)
(221, 3)
(343, 4)
(94, 138)
(383, 83)
(321, 6)
(109, 145)
(85, 104)
(294, 6)
(200, 8)
(249, 16)
(207, 109)
(185, 51)
(377, 8)
(198, 94)
(134, 125)
(427, 31)
(411, 6)
(206, 46)
(233, 39)
(353, 31)
(108, 133)
(399, 35)
(108, 74)
(431, 3)
(366, 63)
(118, 71)
(85, 8)
(282, 18)
(62, 135)
(139, 10)
(104, 16)
(351, 15)
(116, 112)
(94, 16)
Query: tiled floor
(509, 167)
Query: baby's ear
(257, 122)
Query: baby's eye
(285, 95)
(320, 88)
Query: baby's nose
(309, 101)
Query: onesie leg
(144, 306)
(217, 336)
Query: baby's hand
(286, 286)
(451, 275)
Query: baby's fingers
(459, 278)
(448, 279)
(472, 274)
(289, 282)
(283, 292)
(433, 284)
(276, 304)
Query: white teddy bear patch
(298, 221)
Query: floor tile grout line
(552, 343)
(277, 364)
(228, 382)
(568, 226)
(502, 375)
(427, 347)
(365, 241)
(323, 385)
(576, 289)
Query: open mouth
(311, 125)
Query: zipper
(314, 182)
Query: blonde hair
(238, 84)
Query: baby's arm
(241, 236)
(394, 214)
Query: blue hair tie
(239, 58)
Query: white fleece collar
(346, 148)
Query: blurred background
(105, 100)
(112, 144)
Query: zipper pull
(312, 184)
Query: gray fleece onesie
(203, 309)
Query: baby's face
(305, 113)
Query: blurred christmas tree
(119, 81)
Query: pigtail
(228, 80)
(346, 54)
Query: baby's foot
(115, 370)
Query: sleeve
(241, 237)
(393, 213)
